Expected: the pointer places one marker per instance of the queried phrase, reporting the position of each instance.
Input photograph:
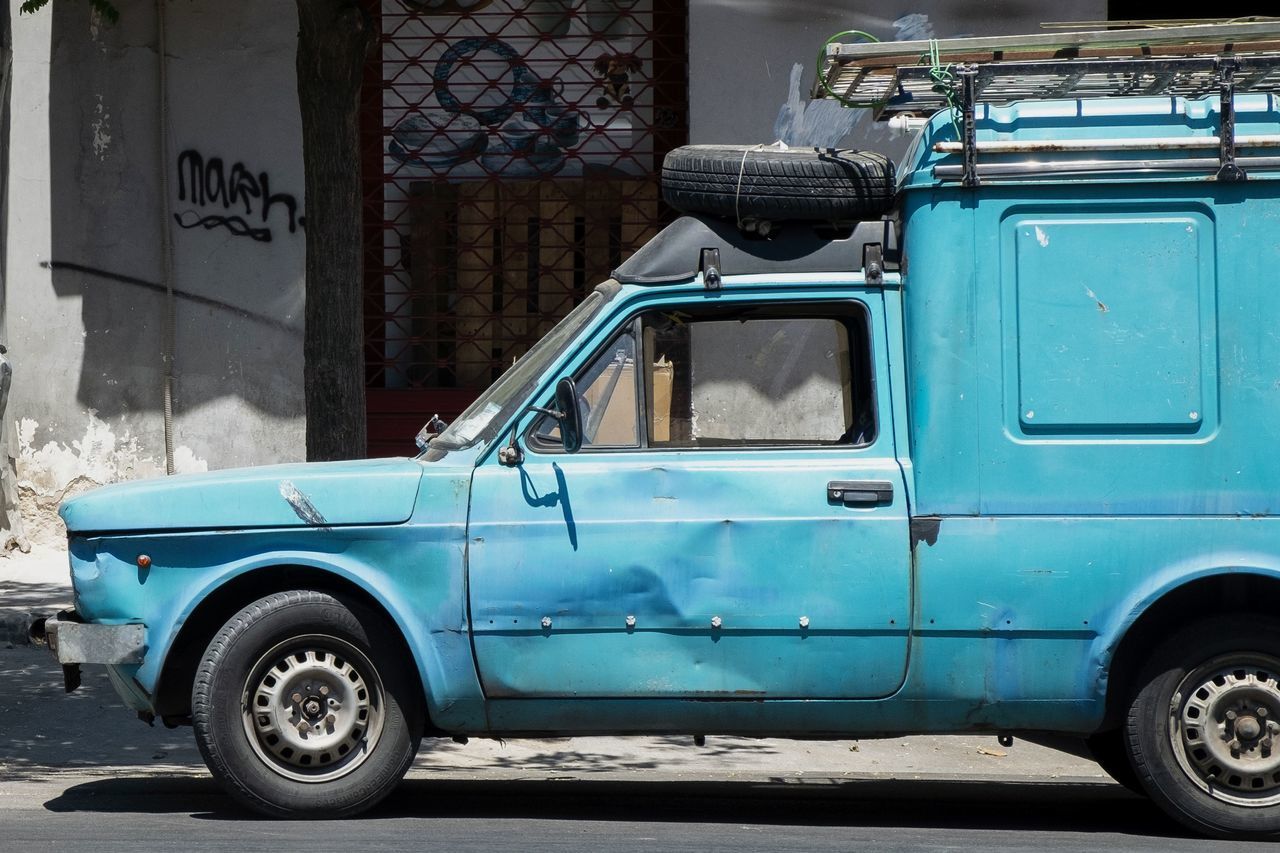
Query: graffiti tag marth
(208, 183)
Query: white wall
(86, 195)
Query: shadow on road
(1032, 807)
(21, 603)
(43, 598)
(44, 730)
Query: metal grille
(512, 152)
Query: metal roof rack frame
(895, 78)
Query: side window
(608, 399)
(757, 380)
(732, 377)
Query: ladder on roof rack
(894, 78)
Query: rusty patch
(925, 529)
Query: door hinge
(873, 264)
(710, 267)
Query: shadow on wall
(238, 323)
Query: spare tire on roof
(764, 182)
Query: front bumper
(74, 641)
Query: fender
(1164, 582)
(437, 636)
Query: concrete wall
(85, 306)
(743, 54)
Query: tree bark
(334, 38)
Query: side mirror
(567, 415)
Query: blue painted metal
(1133, 314)
(259, 497)
(677, 537)
(1077, 379)
(1113, 118)
(1138, 361)
(413, 570)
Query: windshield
(497, 403)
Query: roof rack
(921, 77)
(894, 77)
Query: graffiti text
(209, 183)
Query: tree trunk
(334, 38)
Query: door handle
(850, 492)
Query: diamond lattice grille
(512, 151)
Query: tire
(1180, 737)
(744, 182)
(306, 658)
(1111, 751)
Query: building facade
(156, 222)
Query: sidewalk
(48, 733)
(34, 584)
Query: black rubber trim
(795, 247)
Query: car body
(836, 495)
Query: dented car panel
(413, 570)
(714, 573)
(822, 612)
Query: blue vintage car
(788, 487)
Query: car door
(735, 525)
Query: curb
(14, 625)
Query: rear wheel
(304, 707)
(1204, 730)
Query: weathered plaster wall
(85, 303)
(742, 54)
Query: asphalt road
(163, 813)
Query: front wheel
(1204, 730)
(1111, 750)
(303, 707)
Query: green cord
(944, 83)
(822, 78)
(943, 77)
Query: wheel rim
(1225, 728)
(313, 708)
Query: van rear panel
(1094, 346)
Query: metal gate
(511, 159)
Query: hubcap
(1225, 729)
(313, 708)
